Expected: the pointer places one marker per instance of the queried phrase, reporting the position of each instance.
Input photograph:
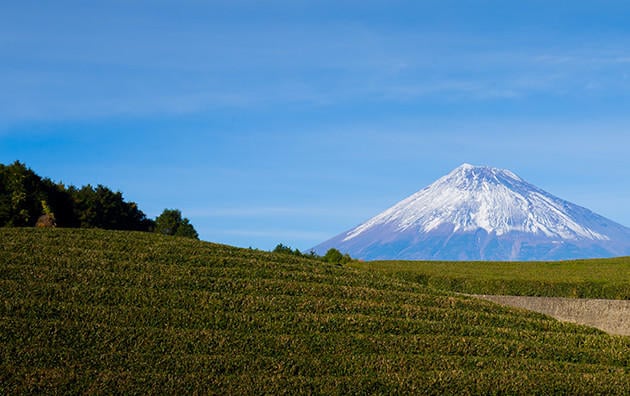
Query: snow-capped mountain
(483, 213)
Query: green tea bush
(90, 311)
(598, 278)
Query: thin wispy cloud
(136, 70)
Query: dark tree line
(26, 200)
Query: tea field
(90, 311)
(596, 278)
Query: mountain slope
(483, 213)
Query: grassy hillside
(88, 311)
(600, 278)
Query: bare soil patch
(611, 316)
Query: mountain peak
(490, 204)
(465, 166)
(482, 172)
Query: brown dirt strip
(611, 316)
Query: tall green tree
(61, 203)
(171, 222)
(21, 194)
(100, 207)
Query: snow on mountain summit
(470, 199)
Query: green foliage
(21, 194)
(112, 312)
(598, 278)
(48, 218)
(170, 222)
(25, 196)
(280, 248)
(334, 256)
(100, 207)
(46, 209)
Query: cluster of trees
(332, 256)
(26, 199)
(171, 222)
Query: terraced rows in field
(117, 312)
(595, 278)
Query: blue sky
(293, 121)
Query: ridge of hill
(92, 311)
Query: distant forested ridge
(27, 199)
